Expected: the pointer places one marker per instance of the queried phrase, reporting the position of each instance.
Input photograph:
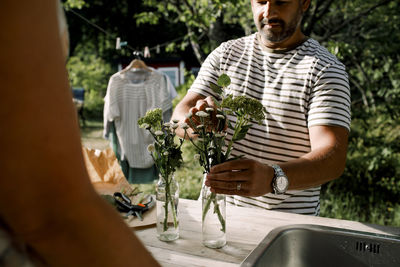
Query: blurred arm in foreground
(46, 199)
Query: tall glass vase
(167, 196)
(213, 218)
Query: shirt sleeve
(329, 102)
(209, 72)
(111, 109)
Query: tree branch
(311, 18)
(363, 94)
(195, 46)
(341, 26)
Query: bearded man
(302, 143)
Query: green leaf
(224, 80)
(230, 126)
(216, 102)
(242, 133)
(217, 89)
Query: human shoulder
(322, 56)
(238, 42)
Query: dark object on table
(124, 204)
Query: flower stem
(166, 204)
(213, 198)
(169, 200)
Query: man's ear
(305, 4)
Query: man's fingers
(230, 189)
(222, 185)
(228, 176)
(201, 105)
(239, 164)
(210, 101)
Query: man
(303, 141)
(48, 207)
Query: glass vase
(213, 218)
(167, 197)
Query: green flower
(153, 118)
(244, 106)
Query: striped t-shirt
(299, 88)
(130, 94)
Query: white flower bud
(202, 114)
(209, 109)
(167, 124)
(218, 135)
(158, 133)
(174, 126)
(219, 116)
(175, 121)
(196, 157)
(151, 148)
(184, 125)
(200, 126)
(166, 153)
(145, 125)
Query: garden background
(363, 34)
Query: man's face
(276, 20)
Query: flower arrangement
(211, 128)
(167, 155)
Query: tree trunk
(195, 46)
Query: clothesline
(114, 36)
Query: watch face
(281, 183)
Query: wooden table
(246, 227)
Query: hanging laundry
(170, 86)
(130, 94)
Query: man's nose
(268, 10)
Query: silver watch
(280, 182)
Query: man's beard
(285, 32)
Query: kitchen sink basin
(322, 246)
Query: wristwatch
(280, 182)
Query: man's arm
(46, 197)
(325, 162)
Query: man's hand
(201, 105)
(243, 177)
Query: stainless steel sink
(321, 246)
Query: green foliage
(190, 174)
(94, 103)
(371, 62)
(167, 155)
(247, 107)
(224, 80)
(74, 4)
(152, 119)
(372, 174)
(346, 206)
(216, 88)
(92, 73)
(207, 23)
(182, 89)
